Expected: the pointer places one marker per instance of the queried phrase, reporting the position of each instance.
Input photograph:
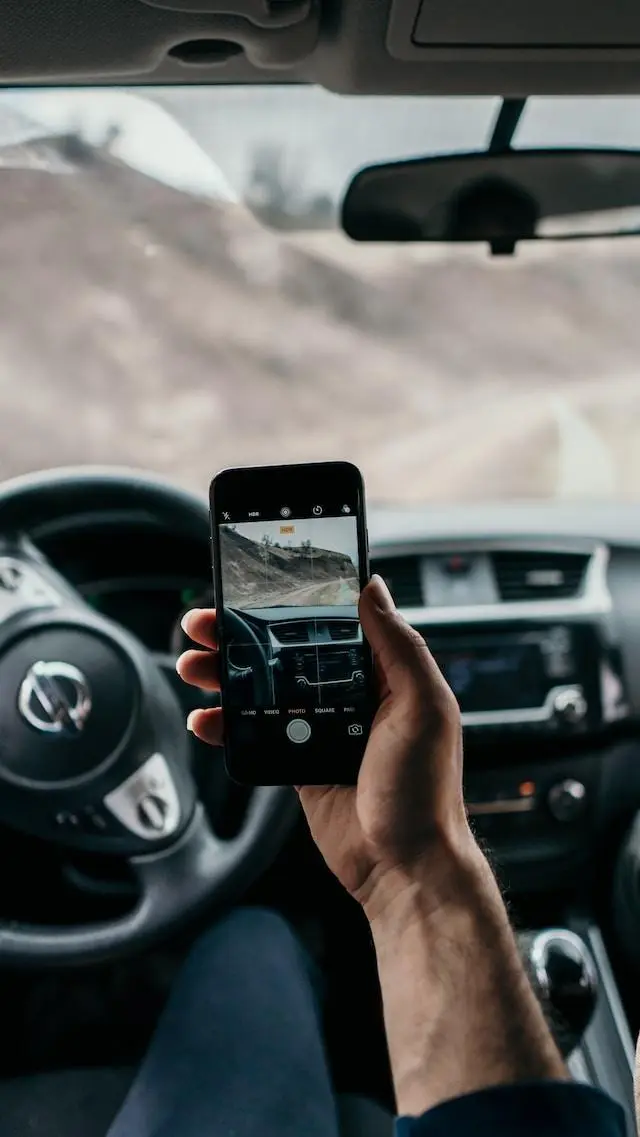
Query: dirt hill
(141, 326)
(258, 574)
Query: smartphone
(290, 557)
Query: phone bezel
(231, 488)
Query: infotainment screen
(501, 674)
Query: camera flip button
(298, 730)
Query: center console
(570, 971)
(531, 678)
(539, 699)
(527, 638)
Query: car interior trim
(525, 715)
(609, 984)
(595, 598)
(514, 805)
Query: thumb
(403, 659)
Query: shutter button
(298, 731)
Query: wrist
(446, 876)
(459, 1010)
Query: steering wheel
(240, 633)
(94, 754)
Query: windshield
(149, 318)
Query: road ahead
(340, 592)
(343, 593)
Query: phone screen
(290, 558)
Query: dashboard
(533, 613)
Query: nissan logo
(55, 698)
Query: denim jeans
(238, 1050)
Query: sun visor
(514, 48)
(523, 23)
(418, 27)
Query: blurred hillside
(141, 326)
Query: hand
(407, 810)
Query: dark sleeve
(532, 1109)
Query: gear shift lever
(564, 975)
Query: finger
(200, 626)
(401, 655)
(207, 725)
(200, 669)
(311, 794)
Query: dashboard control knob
(152, 812)
(569, 705)
(301, 681)
(567, 799)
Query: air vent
(342, 630)
(402, 575)
(530, 575)
(295, 632)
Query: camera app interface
(295, 658)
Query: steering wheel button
(94, 821)
(298, 731)
(66, 820)
(152, 812)
(146, 812)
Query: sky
(336, 533)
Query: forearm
(460, 1014)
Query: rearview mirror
(500, 198)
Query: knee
(257, 925)
(246, 931)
